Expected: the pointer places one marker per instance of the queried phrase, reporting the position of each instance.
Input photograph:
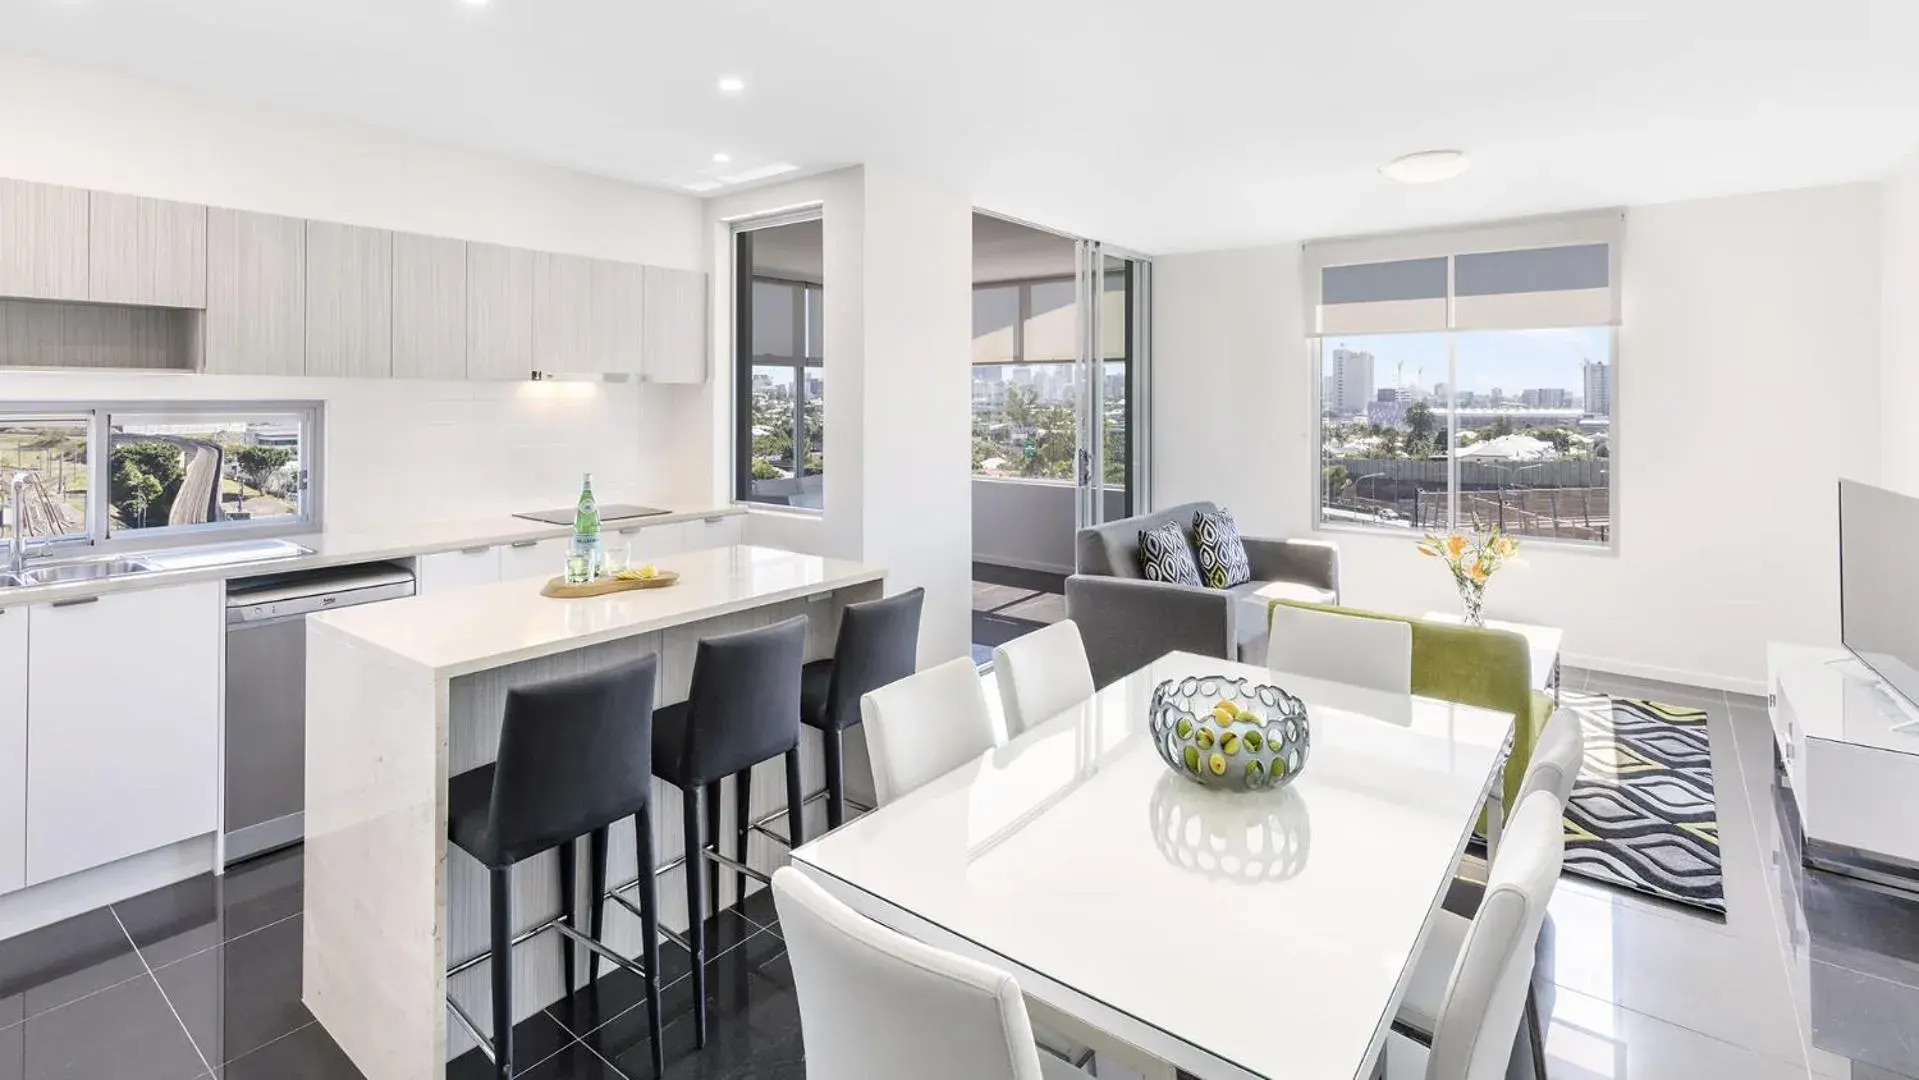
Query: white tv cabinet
(1849, 751)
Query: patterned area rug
(1642, 815)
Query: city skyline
(1512, 361)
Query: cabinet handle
(481, 550)
(715, 519)
(76, 603)
(526, 543)
(629, 532)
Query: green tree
(145, 479)
(1501, 425)
(1560, 438)
(256, 464)
(1420, 423)
(1334, 479)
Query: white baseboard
(1607, 665)
(48, 902)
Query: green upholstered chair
(1491, 669)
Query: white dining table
(1259, 935)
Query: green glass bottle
(586, 528)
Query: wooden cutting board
(558, 587)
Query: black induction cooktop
(608, 512)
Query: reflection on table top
(1259, 935)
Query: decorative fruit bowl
(1230, 733)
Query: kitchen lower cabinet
(720, 530)
(457, 569)
(123, 707)
(645, 543)
(13, 748)
(534, 558)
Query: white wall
(1750, 336)
(918, 399)
(411, 449)
(898, 310)
(1899, 323)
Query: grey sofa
(1128, 621)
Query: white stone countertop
(486, 626)
(339, 548)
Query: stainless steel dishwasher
(266, 694)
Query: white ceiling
(1213, 123)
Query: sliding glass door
(1111, 368)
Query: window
(780, 345)
(1492, 427)
(55, 451)
(1026, 382)
(165, 470)
(1473, 388)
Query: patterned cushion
(1222, 558)
(1164, 555)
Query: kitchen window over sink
(162, 472)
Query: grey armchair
(1128, 621)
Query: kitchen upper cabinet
(256, 294)
(619, 317)
(457, 569)
(499, 312)
(673, 348)
(534, 558)
(146, 251)
(349, 301)
(43, 241)
(429, 307)
(123, 748)
(564, 337)
(13, 748)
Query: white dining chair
(1557, 756)
(925, 725)
(1355, 649)
(1472, 982)
(1041, 675)
(875, 1003)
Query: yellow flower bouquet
(1473, 557)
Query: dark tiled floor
(201, 980)
(1009, 602)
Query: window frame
(102, 537)
(1317, 345)
(743, 279)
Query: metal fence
(1570, 500)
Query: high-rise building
(1499, 397)
(1327, 400)
(1352, 381)
(1546, 397)
(1386, 395)
(1598, 378)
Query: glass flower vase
(1472, 599)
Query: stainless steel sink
(86, 570)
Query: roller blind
(1527, 275)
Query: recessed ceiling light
(1427, 166)
(476, 3)
(731, 84)
(722, 158)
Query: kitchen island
(403, 695)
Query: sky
(1512, 360)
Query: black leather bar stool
(575, 756)
(743, 708)
(878, 643)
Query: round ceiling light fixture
(1427, 166)
(731, 84)
(722, 158)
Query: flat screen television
(1879, 582)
